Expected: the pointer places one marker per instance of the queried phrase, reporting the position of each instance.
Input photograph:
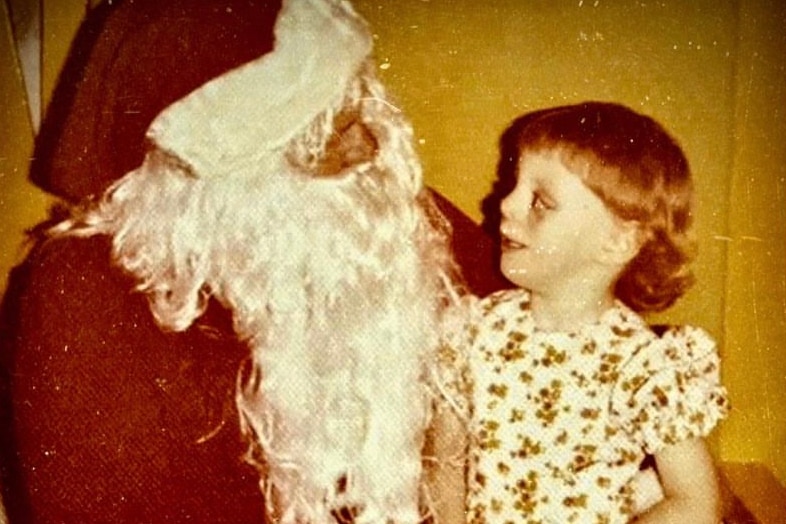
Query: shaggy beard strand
(335, 284)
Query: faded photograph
(311, 261)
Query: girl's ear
(622, 243)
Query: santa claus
(278, 230)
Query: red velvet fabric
(111, 419)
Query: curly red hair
(640, 172)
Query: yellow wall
(20, 204)
(710, 70)
(755, 309)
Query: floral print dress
(560, 422)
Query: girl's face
(553, 226)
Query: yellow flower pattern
(560, 422)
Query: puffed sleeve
(452, 379)
(670, 390)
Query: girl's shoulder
(669, 388)
(667, 352)
(675, 346)
(471, 310)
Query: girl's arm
(445, 466)
(646, 490)
(690, 486)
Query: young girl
(564, 385)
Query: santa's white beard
(350, 323)
(336, 284)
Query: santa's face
(351, 144)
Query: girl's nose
(508, 206)
(504, 207)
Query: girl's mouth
(510, 244)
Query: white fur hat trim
(240, 122)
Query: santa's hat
(241, 121)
